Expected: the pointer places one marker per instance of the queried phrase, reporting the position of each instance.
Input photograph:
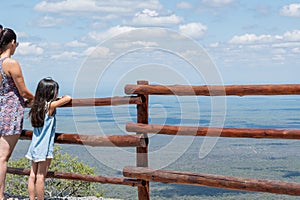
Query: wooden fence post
(142, 152)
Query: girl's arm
(16, 73)
(61, 101)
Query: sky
(249, 42)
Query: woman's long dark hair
(6, 36)
(47, 91)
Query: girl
(43, 120)
(13, 92)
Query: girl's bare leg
(42, 170)
(7, 145)
(32, 180)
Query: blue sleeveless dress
(42, 142)
(11, 106)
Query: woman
(12, 92)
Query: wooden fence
(140, 175)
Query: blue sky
(249, 41)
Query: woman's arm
(14, 70)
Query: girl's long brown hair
(47, 91)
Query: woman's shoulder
(11, 66)
(10, 61)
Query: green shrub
(62, 162)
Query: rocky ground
(10, 197)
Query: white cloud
(214, 45)
(89, 50)
(65, 55)
(278, 58)
(250, 39)
(279, 51)
(97, 52)
(190, 53)
(286, 44)
(94, 52)
(151, 17)
(292, 35)
(296, 50)
(136, 43)
(76, 43)
(145, 43)
(217, 3)
(150, 13)
(71, 6)
(27, 48)
(87, 6)
(113, 31)
(255, 50)
(21, 34)
(292, 10)
(184, 5)
(289, 36)
(47, 21)
(194, 30)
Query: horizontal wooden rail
(109, 101)
(214, 90)
(213, 132)
(94, 140)
(80, 177)
(227, 182)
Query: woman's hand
(28, 102)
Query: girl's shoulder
(57, 103)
